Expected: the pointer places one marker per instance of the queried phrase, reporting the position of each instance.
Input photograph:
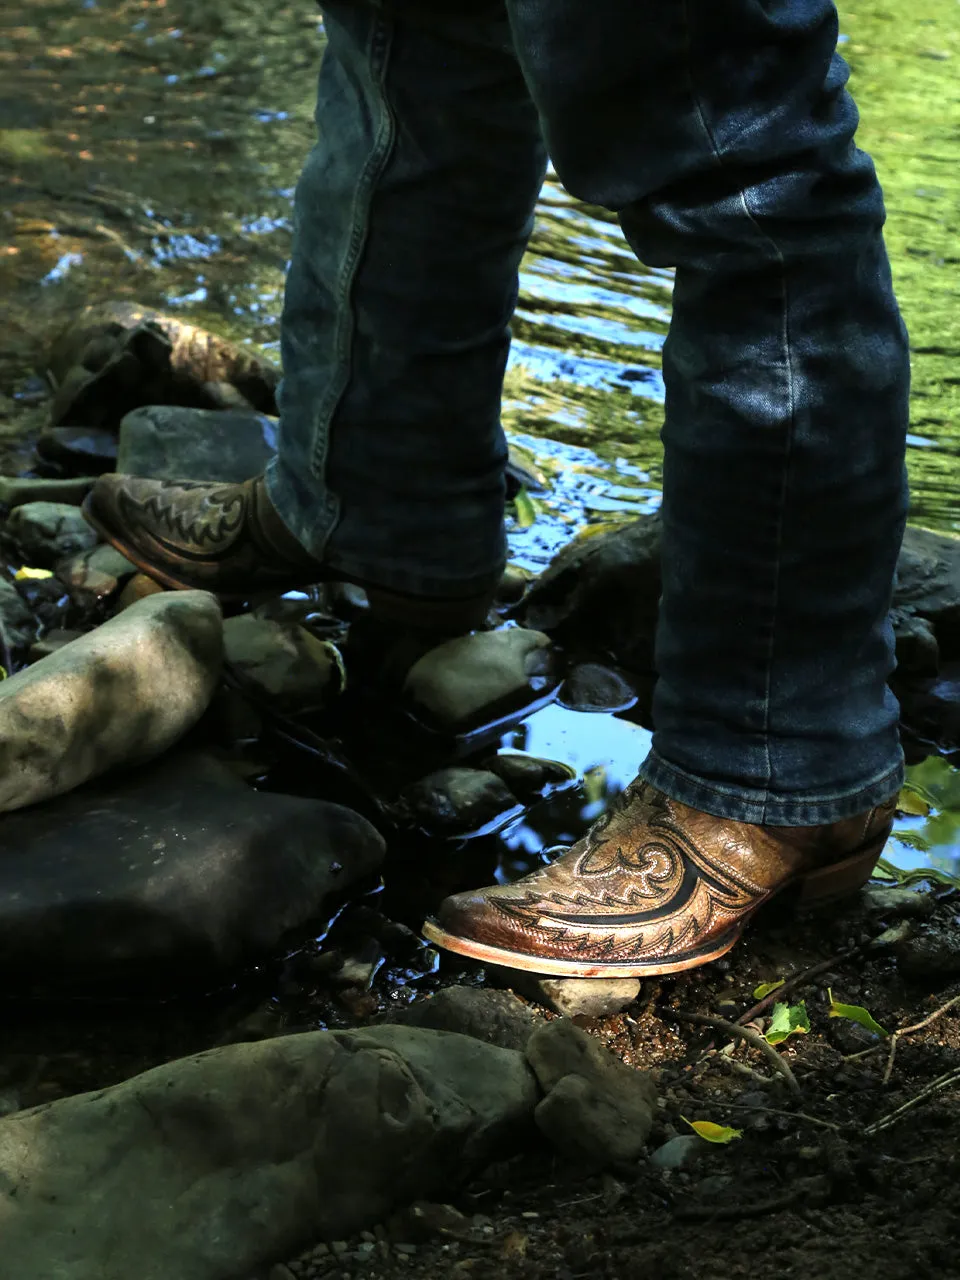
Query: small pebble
(405, 1248)
(338, 1246)
(281, 1272)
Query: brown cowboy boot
(229, 539)
(225, 538)
(655, 887)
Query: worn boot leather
(225, 538)
(655, 887)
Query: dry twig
(751, 1037)
(937, 1086)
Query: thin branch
(906, 1031)
(751, 1037)
(937, 1086)
(793, 984)
(793, 1115)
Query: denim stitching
(790, 389)
(380, 39)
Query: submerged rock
(530, 777)
(918, 653)
(18, 627)
(592, 687)
(48, 532)
(284, 662)
(165, 442)
(928, 586)
(118, 356)
(118, 696)
(167, 872)
(596, 1108)
(477, 678)
(460, 801)
(211, 1167)
(599, 597)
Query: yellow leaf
(3, 673)
(32, 575)
(765, 988)
(526, 510)
(913, 804)
(711, 1132)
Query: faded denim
(722, 134)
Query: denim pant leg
(722, 133)
(412, 215)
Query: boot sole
(819, 888)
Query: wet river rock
(599, 596)
(214, 1166)
(94, 575)
(47, 532)
(169, 872)
(460, 801)
(476, 678)
(283, 662)
(165, 442)
(17, 624)
(119, 695)
(118, 356)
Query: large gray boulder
(167, 873)
(167, 442)
(119, 695)
(213, 1166)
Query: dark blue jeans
(721, 133)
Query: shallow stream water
(149, 150)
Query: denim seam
(790, 389)
(380, 34)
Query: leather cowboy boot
(655, 887)
(224, 538)
(229, 539)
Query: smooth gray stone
(570, 997)
(166, 442)
(171, 869)
(48, 532)
(214, 1166)
(119, 695)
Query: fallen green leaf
(711, 1132)
(525, 509)
(32, 575)
(3, 673)
(856, 1013)
(765, 988)
(787, 1020)
(912, 803)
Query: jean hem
(759, 807)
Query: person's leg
(412, 215)
(721, 132)
(413, 212)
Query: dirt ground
(817, 1185)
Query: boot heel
(842, 878)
